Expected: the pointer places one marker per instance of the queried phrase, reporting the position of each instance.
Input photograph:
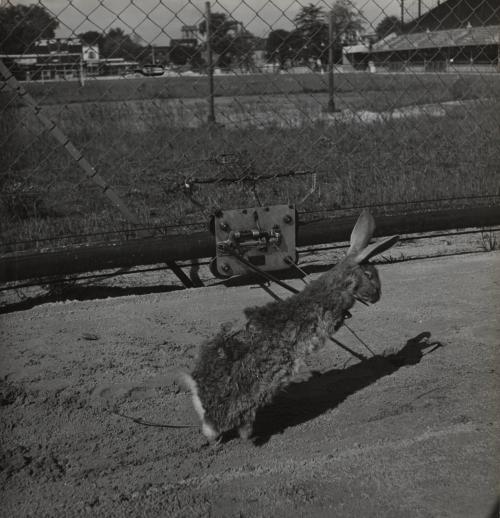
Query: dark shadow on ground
(304, 401)
(62, 292)
(495, 512)
(84, 293)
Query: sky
(157, 21)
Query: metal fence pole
(211, 109)
(498, 57)
(81, 72)
(331, 101)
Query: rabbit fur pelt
(240, 370)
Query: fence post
(331, 100)
(211, 110)
(498, 58)
(81, 72)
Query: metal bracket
(263, 236)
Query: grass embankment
(44, 193)
(419, 88)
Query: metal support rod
(188, 283)
(264, 274)
(211, 108)
(331, 100)
(359, 356)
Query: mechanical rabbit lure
(239, 371)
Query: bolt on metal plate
(265, 236)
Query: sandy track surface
(413, 431)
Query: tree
(117, 44)
(243, 47)
(387, 26)
(310, 19)
(21, 26)
(347, 25)
(310, 38)
(278, 47)
(181, 55)
(93, 38)
(223, 39)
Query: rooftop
(466, 37)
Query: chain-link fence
(120, 116)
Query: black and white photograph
(250, 258)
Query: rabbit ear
(361, 233)
(376, 248)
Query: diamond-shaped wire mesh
(119, 115)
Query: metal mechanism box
(258, 237)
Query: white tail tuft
(188, 382)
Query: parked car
(152, 70)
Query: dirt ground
(412, 431)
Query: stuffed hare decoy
(239, 371)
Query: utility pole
(498, 59)
(331, 100)
(211, 110)
(81, 70)
(402, 12)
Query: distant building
(90, 54)
(51, 59)
(64, 58)
(190, 31)
(191, 43)
(185, 52)
(160, 54)
(471, 47)
(456, 14)
(454, 35)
